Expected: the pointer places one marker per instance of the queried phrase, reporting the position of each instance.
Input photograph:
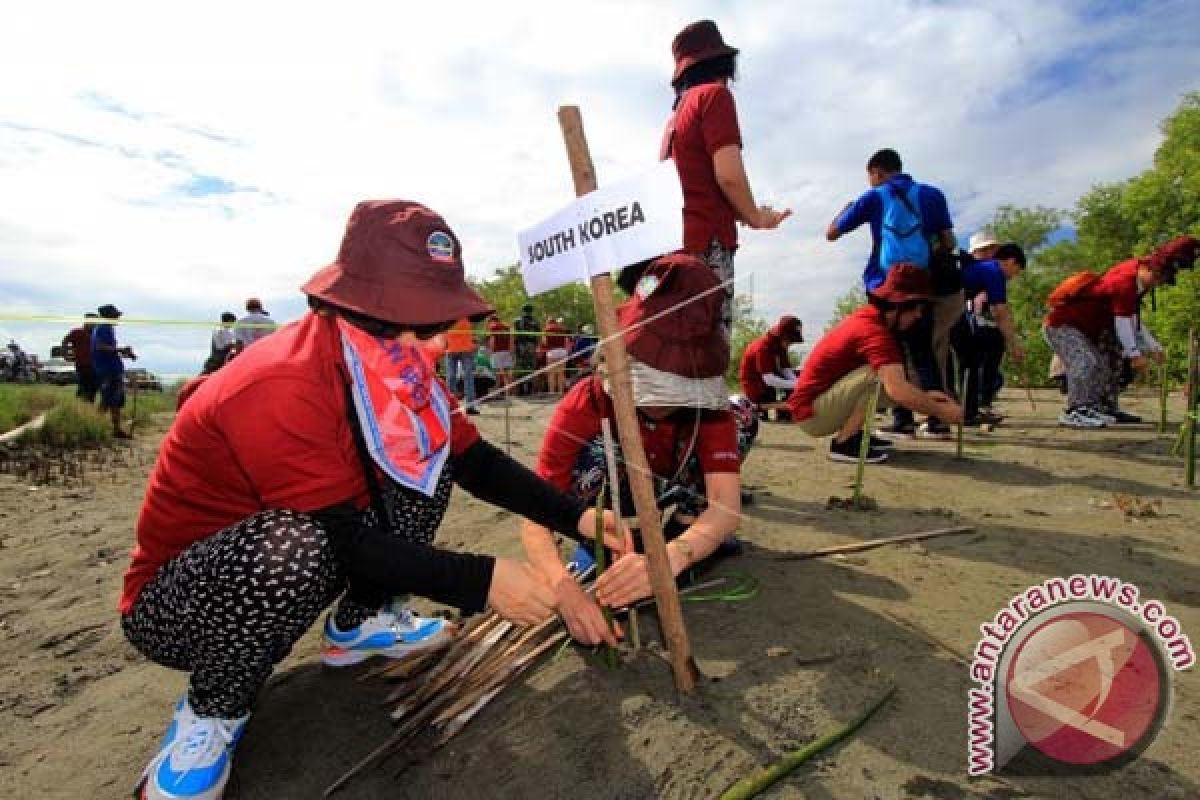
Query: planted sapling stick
(609, 652)
(1163, 389)
(610, 458)
(959, 386)
(865, 444)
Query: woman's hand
(616, 536)
(582, 615)
(519, 593)
(628, 579)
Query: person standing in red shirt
(557, 349)
(839, 374)
(314, 468)
(1095, 322)
(77, 348)
(500, 345)
(766, 368)
(705, 140)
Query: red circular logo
(1085, 688)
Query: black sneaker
(473, 411)
(877, 443)
(897, 430)
(1121, 417)
(847, 452)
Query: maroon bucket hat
(672, 322)
(698, 42)
(789, 329)
(1179, 253)
(904, 283)
(401, 263)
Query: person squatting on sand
(317, 464)
(703, 137)
(693, 448)
(765, 372)
(839, 374)
(1094, 323)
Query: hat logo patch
(646, 286)
(440, 247)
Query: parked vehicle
(58, 371)
(17, 366)
(143, 379)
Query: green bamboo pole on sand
(962, 401)
(754, 784)
(1163, 390)
(1189, 423)
(610, 460)
(864, 445)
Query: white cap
(982, 239)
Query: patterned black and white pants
(719, 258)
(1092, 372)
(230, 607)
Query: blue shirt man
(868, 209)
(105, 358)
(110, 369)
(928, 343)
(988, 277)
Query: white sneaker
(1095, 413)
(939, 431)
(195, 759)
(394, 632)
(1076, 418)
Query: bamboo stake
(670, 611)
(756, 783)
(873, 543)
(864, 445)
(610, 458)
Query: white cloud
(317, 107)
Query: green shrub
(71, 423)
(21, 403)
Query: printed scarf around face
(402, 411)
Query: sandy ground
(82, 711)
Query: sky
(175, 160)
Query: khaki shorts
(840, 401)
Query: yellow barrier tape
(190, 323)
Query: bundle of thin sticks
(439, 690)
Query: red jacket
(766, 355)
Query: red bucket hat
(672, 321)
(788, 328)
(698, 42)
(905, 282)
(401, 263)
(1179, 253)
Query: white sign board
(613, 227)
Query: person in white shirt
(255, 325)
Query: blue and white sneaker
(582, 562)
(195, 759)
(394, 632)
